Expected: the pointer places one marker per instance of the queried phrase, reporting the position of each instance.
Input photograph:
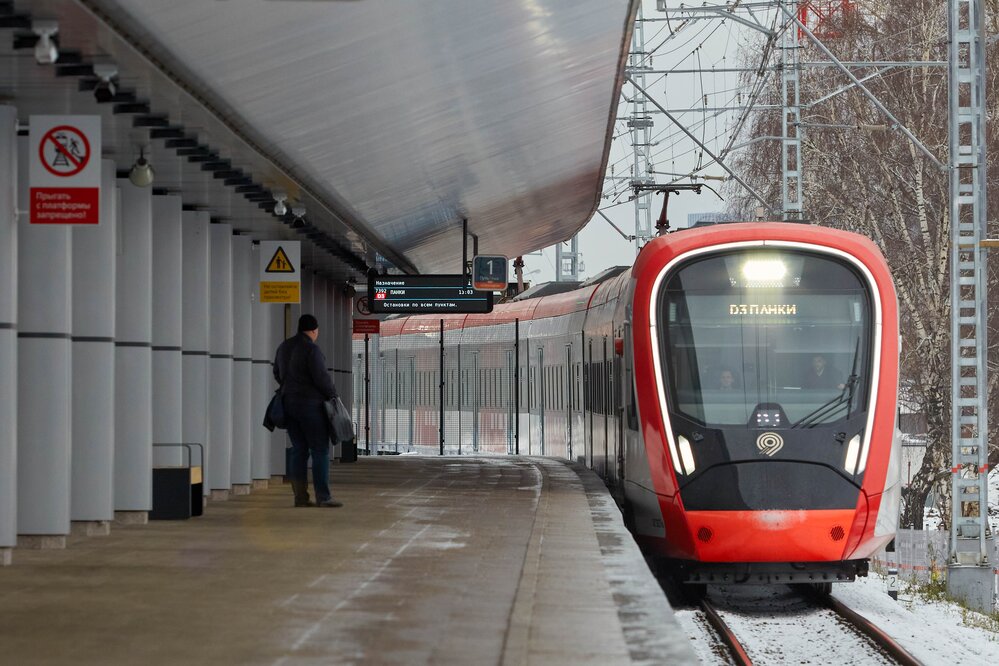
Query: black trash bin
(348, 451)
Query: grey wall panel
(168, 292)
(195, 331)
(94, 258)
(8, 326)
(242, 349)
(220, 358)
(133, 456)
(44, 374)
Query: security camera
(105, 89)
(280, 209)
(46, 52)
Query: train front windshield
(766, 339)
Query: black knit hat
(307, 323)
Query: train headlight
(853, 455)
(764, 270)
(686, 454)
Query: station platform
(431, 560)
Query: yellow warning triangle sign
(279, 263)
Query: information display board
(426, 294)
(489, 272)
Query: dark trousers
(308, 429)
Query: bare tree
(867, 177)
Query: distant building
(705, 218)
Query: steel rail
(726, 634)
(869, 629)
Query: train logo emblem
(769, 443)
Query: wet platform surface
(432, 560)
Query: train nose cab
(768, 356)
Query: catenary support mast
(970, 575)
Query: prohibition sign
(68, 142)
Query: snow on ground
(936, 632)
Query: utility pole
(640, 124)
(790, 154)
(567, 261)
(969, 571)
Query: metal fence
(920, 554)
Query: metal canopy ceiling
(390, 121)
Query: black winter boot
(301, 489)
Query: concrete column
(345, 339)
(278, 438)
(263, 345)
(242, 350)
(220, 362)
(133, 455)
(8, 332)
(319, 310)
(194, 335)
(306, 306)
(44, 375)
(94, 259)
(168, 293)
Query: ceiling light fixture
(46, 52)
(141, 173)
(105, 89)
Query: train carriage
(736, 389)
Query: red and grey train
(736, 389)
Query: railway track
(802, 628)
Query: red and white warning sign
(65, 171)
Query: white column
(194, 335)
(242, 350)
(306, 306)
(263, 346)
(220, 362)
(44, 375)
(278, 438)
(94, 259)
(133, 455)
(168, 292)
(8, 332)
(319, 309)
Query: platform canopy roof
(390, 121)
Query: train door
(511, 407)
(567, 373)
(476, 400)
(411, 400)
(605, 400)
(588, 379)
(617, 385)
(542, 393)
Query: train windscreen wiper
(832, 406)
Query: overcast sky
(718, 42)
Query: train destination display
(426, 294)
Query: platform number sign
(65, 169)
(280, 275)
(489, 272)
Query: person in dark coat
(300, 369)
